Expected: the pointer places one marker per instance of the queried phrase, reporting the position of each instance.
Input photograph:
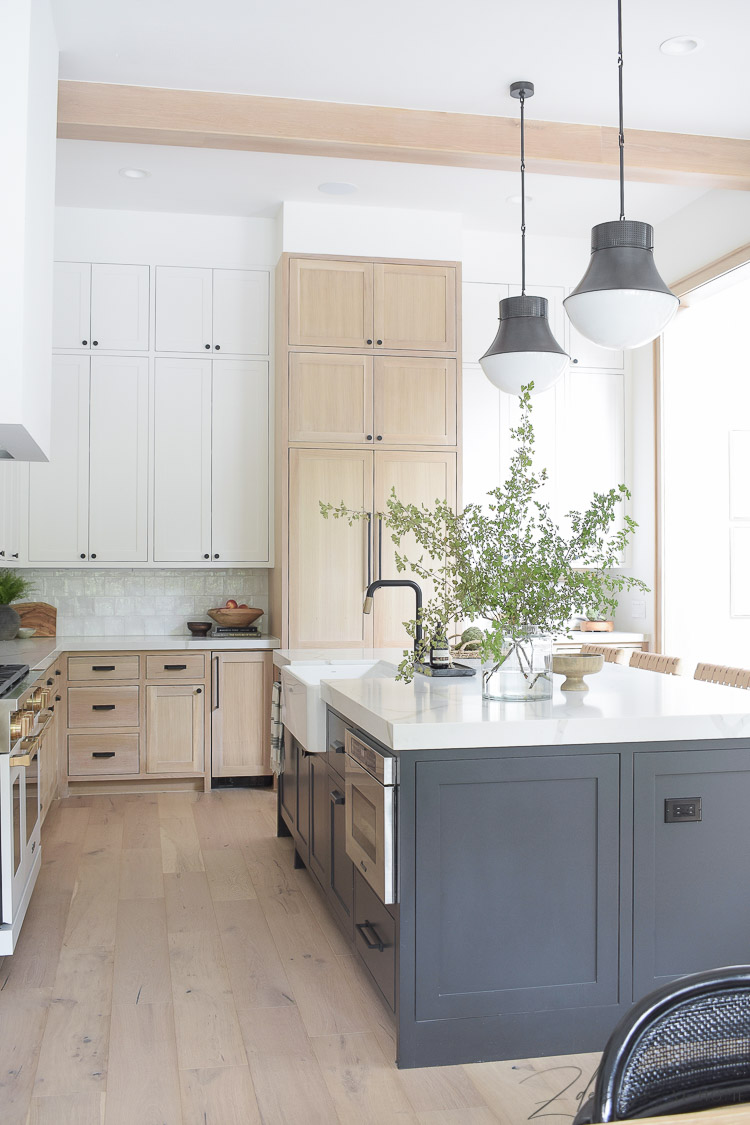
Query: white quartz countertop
(40, 652)
(623, 705)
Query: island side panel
(509, 906)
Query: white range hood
(28, 128)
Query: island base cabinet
(320, 820)
(375, 939)
(340, 889)
(690, 912)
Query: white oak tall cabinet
(367, 399)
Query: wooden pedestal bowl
(576, 665)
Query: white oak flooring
(174, 969)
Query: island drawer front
(103, 707)
(104, 667)
(102, 754)
(335, 752)
(517, 870)
(374, 927)
(176, 666)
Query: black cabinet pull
(83, 556)
(102, 706)
(102, 753)
(84, 342)
(216, 556)
(379, 341)
(198, 690)
(102, 667)
(206, 556)
(14, 555)
(93, 556)
(377, 944)
(369, 550)
(337, 797)
(369, 437)
(574, 361)
(58, 698)
(338, 747)
(50, 680)
(2, 554)
(175, 667)
(369, 341)
(207, 347)
(217, 347)
(380, 437)
(58, 672)
(95, 343)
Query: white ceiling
(432, 55)
(221, 182)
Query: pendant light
(621, 301)
(524, 350)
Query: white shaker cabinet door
(239, 460)
(183, 309)
(585, 353)
(10, 512)
(71, 306)
(240, 306)
(119, 308)
(118, 464)
(58, 488)
(182, 460)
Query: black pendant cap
(524, 327)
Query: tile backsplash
(127, 603)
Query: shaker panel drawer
(103, 707)
(176, 666)
(375, 938)
(102, 754)
(104, 667)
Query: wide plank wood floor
(174, 969)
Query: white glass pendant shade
(621, 301)
(524, 350)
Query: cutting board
(39, 616)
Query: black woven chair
(683, 1048)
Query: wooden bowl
(199, 628)
(576, 665)
(235, 618)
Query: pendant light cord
(621, 137)
(523, 204)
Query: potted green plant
(13, 587)
(510, 567)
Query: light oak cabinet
(240, 714)
(175, 728)
(97, 474)
(102, 307)
(211, 461)
(212, 310)
(397, 400)
(392, 306)
(331, 563)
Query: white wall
(705, 230)
(378, 232)
(143, 237)
(28, 124)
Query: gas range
(10, 675)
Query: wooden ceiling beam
(96, 111)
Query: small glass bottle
(440, 653)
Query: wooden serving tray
(39, 616)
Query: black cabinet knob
(14, 555)
(58, 672)
(369, 341)
(369, 437)
(198, 690)
(84, 342)
(95, 343)
(58, 698)
(217, 347)
(378, 341)
(216, 556)
(2, 554)
(380, 437)
(93, 556)
(574, 361)
(83, 556)
(207, 347)
(206, 556)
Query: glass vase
(524, 674)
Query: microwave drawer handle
(377, 944)
(102, 667)
(103, 706)
(337, 797)
(103, 753)
(338, 747)
(175, 667)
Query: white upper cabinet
(583, 353)
(480, 316)
(119, 308)
(102, 307)
(58, 488)
(10, 512)
(71, 308)
(241, 311)
(239, 477)
(204, 310)
(118, 461)
(184, 309)
(182, 460)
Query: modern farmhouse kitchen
(374, 556)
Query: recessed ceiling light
(680, 45)
(334, 188)
(517, 199)
(134, 173)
